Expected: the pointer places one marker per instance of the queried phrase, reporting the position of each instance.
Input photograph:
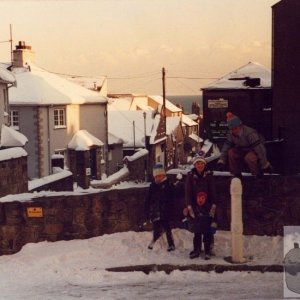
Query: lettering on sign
(218, 129)
(218, 103)
(35, 212)
(88, 171)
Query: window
(5, 101)
(59, 118)
(14, 119)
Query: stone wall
(137, 167)
(69, 217)
(65, 183)
(13, 176)
(268, 205)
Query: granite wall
(268, 205)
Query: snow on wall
(136, 155)
(10, 153)
(33, 184)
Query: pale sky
(137, 38)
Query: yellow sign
(35, 212)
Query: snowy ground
(76, 270)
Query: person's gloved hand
(191, 211)
(213, 227)
(268, 169)
(220, 165)
(212, 210)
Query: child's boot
(194, 254)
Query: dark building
(286, 81)
(247, 93)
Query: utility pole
(164, 91)
(133, 125)
(164, 112)
(11, 44)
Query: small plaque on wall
(35, 212)
(88, 171)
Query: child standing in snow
(203, 222)
(199, 179)
(158, 206)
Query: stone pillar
(98, 163)
(57, 162)
(72, 163)
(236, 221)
(83, 169)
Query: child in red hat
(203, 221)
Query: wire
(180, 77)
(186, 86)
(143, 75)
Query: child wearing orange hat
(203, 220)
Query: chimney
(23, 55)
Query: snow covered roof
(193, 117)
(237, 78)
(37, 86)
(172, 124)
(169, 105)
(97, 83)
(120, 124)
(6, 76)
(186, 120)
(112, 139)
(12, 138)
(83, 140)
(120, 103)
(195, 137)
(153, 135)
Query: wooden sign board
(35, 212)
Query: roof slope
(37, 86)
(169, 105)
(6, 76)
(237, 78)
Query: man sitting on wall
(243, 146)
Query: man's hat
(233, 121)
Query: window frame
(59, 118)
(12, 119)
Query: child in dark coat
(203, 222)
(199, 179)
(158, 206)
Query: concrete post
(236, 221)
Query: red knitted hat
(233, 121)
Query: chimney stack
(23, 55)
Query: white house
(49, 110)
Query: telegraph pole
(164, 112)
(11, 44)
(164, 90)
